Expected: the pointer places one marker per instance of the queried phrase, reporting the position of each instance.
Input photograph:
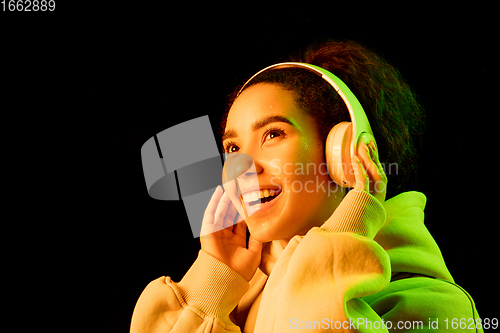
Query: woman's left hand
(368, 171)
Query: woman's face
(266, 123)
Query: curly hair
(397, 119)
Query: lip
(258, 209)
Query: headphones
(344, 138)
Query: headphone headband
(359, 120)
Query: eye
(231, 147)
(273, 133)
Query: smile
(261, 196)
(259, 201)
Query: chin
(263, 232)
(269, 230)
(259, 232)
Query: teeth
(251, 196)
(256, 195)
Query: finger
(240, 229)
(373, 147)
(380, 184)
(362, 181)
(212, 206)
(220, 212)
(238, 218)
(207, 225)
(375, 158)
(368, 162)
(376, 171)
(231, 214)
(378, 179)
(254, 245)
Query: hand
(368, 171)
(226, 241)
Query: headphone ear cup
(338, 157)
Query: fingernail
(365, 147)
(372, 144)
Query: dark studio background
(104, 80)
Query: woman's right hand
(226, 241)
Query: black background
(88, 85)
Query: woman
(319, 257)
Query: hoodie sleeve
(201, 302)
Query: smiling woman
(317, 249)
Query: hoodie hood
(406, 239)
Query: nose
(236, 165)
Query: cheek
(307, 177)
(308, 189)
(303, 173)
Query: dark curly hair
(396, 117)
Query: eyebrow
(258, 124)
